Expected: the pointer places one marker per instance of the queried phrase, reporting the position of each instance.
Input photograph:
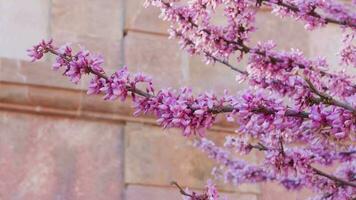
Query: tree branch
(215, 110)
(243, 48)
(295, 9)
(262, 147)
(334, 178)
(326, 99)
(181, 189)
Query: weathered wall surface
(57, 143)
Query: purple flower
(65, 52)
(348, 55)
(96, 85)
(37, 51)
(116, 86)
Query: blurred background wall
(58, 143)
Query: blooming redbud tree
(299, 113)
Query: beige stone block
(110, 49)
(157, 157)
(158, 57)
(327, 42)
(39, 97)
(94, 25)
(137, 192)
(13, 93)
(35, 73)
(97, 103)
(57, 98)
(58, 158)
(22, 24)
(94, 18)
(144, 19)
(286, 32)
(213, 77)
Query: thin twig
(326, 99)
(181, 189)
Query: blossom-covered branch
(84, 63)
(279, 164)
(262, 147)
(198, 36)
(302, 114)
(306, 10)
(327, 99)
(195, 114)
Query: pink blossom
(210, 193)
(61, 61)
(348, 55)
(116, 85)
(37, 51)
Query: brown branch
(348, 152)
(326, 99)
(281, 146)
(262, 147)
(295, 9)
(226, 64)
(327, 195)
(334, 178)
(259, 146)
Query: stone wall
(57, 143)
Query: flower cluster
(348, 52)
(348, 55)
(197, 33)
(37, 51)
(180, 109)
(234, 171)
(285, 72)
(342, 123)
(210, 193)
(75, 64)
